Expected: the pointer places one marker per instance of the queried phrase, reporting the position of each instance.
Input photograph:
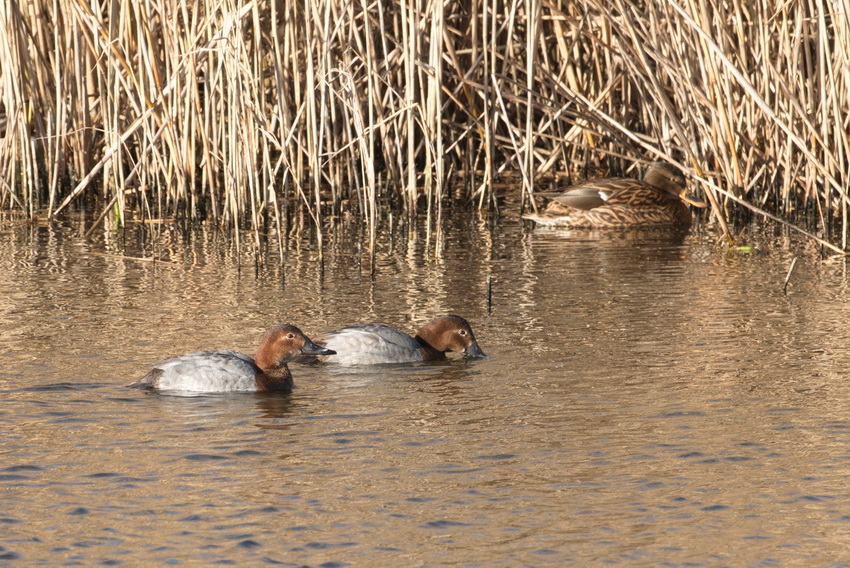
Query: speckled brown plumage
(656, 201)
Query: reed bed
(261, 114)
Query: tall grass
(254, 114)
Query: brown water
(646, 402)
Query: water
(647, 401)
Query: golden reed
(215, 110)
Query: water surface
(648, 400)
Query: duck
(659, 200)
(231, 371)
(377, 343)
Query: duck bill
(311, 348)
(474, 351)
(691, 200)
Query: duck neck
(429, 353)
(273, 375)
(275, 378)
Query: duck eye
(462, 332)
(290, 336)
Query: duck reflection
(197, 409)
(648, 236)
(274, 405)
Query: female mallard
(656, 201)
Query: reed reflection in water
(647, 400)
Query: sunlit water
(647, 401)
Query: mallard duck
(656, 201)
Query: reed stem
(251, 114)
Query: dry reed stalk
(234, 112)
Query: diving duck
(231, 371)
(659, 200)
(376, 343)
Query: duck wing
(371, 343)
(221, 370)
(639, 195)
(610, 191)
(584, 198)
